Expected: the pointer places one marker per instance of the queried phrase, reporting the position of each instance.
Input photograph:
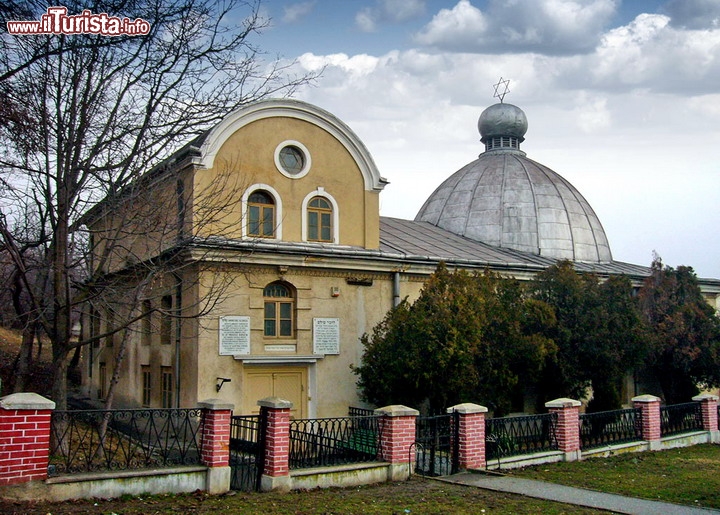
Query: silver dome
(502, 120)
(507, 200)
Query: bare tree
(89, 115)
(143, 250)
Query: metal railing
(436, 444)
(244, 429)
(512, 436)
(360, 412)
(610, 427)
(680, 418)
(333, 441)
(247, 452)
(104, 440)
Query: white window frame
(278, 210)
(306, 154)
(320, 192)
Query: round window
(292, 159)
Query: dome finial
(506, 89)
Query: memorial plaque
(234, 335)
(326, 336)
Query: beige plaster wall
(332, 384)
(247, 158)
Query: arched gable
(301, 111)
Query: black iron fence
(680, 418)
(512, 436)
(104, 440)
(436, 444)
(247, 451)
(244, 432)
(360, 412)
(333, 441)
(610, 427)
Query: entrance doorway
(289, 383)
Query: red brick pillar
(276, 472)
(567, 429)
(24, 437)
(215, 444)
(651, 431)
(709, 409)
(471, 434)
(397, 439)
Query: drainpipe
(178, 334)
(396, 289)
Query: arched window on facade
(319, 220)
(279, 311)
(261, 215)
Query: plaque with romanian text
(234, 335)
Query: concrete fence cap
(563, 402)
(646, 398)
(26, 401)
(275, 402)
(705, 397)
(397, 410)
(467, 408)
(216, 404)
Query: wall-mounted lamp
(220, 382)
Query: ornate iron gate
(436, 445)
(247, 451)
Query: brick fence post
(567, 430)
(24, 437)
(709, 410)
(215, 444)
(471, 435)
(276, 471)
(397, 438)
(651, 426)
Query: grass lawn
(416, 496)
(686, 476)
(690, 475)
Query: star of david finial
(504, 84)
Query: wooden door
(288, 383)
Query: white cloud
(542, 26)
(293, 12)
(354, 66)
(401, 10)
(458, 27)
(650, 53)
(365, 20)
(388, 11)
(694, 14)
(592, 114)
(634, 125)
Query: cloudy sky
(622, 99)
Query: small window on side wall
(261, 215)
(279, 311)
(319, 219)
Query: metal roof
(413, 239)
